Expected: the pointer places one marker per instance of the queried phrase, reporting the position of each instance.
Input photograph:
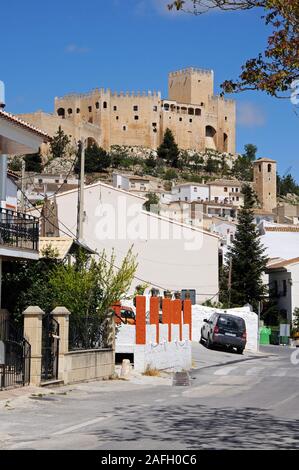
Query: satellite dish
(2, 95)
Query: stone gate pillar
(61, 315)
(33, 324)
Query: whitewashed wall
(199, 313)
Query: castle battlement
(136, 94)
(190, 70)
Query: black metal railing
(15, 354)
(88, 333)
(18, 230)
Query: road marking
(279, 373)
(81, 425)
(282, 402)
(225, 370)
(254, 370)
(174, 396)
(160, 399)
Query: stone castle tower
(265, 183)
(197, 118)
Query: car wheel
(240, 350)
(208, 342)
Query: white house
(190, 192)
(18, 232)
(171, 255)
(280, 240)
(284, 285)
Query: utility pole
(80, 212)
(23, 186)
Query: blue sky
(52, 48)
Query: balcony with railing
(18, 230)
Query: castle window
(114, 108)
(90, 120)
(61, 112)
(237, 198)
(190, 120)
(155, 108)
(191, 111)
(197, 112)
(97, 105)
(225, 142)
(166, 107)
(269, 168)
(154, 129)
(183, 110)
(225, 118)
(260, 168)
(154, 124)
(105, 105)
(70, 111)
(78, 110)
(180, 119)
(124, 128)
(117, 118)
(136, 118)
(135, 108)
(89, 109)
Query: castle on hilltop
(197, 118)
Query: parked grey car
(224, 330)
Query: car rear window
(234, 323)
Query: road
(234, 402)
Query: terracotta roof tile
(10, 117)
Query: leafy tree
(243, 166)
(96, 159)
(287, 185)
(152, 202)
(169, 150)
(33, 162)
(170, 174)
(246, 257)
(87, 287)
(151, 162)
(273, 70)
(198, 162)
(59, 144)
(212, 165)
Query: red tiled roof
(10, 117)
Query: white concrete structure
(227, 191)
(170, 255)
(284, 285)
(175, 355)
(190, 192)
(199, 313)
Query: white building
(171, 255)
(18, 232)
(190, 192)
(281, 241)
(284, 285)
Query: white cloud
(250, 115)
(74, 49)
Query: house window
(237, 190)
(195, 189)
(136, 118)
(135, 108)
(132, 185)
(89, 109)
(57, 181)
(225, 190)
(237, 198)
(233, 190)
(216, 199)
(186, 199)
(40, 181)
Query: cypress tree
(247, 257)
(169, 150)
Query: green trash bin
(265, 334)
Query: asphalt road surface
(234, 402)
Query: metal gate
(15, 356)
(50, 348)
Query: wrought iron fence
(18, 230)
(88, 333)
(15, 353)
